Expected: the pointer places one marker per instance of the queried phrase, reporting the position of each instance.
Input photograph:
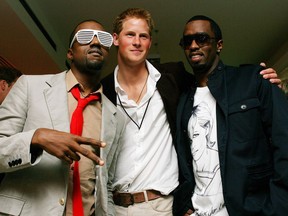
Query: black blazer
(174, 80)
(252, 133)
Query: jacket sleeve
(274, 108)
(14, 142)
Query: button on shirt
(147, 159)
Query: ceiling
(253, 31)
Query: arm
(21, 139)
(275, 117)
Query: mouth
(95, 52)
(195, 57)
(136, 51)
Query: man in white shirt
(147, 168)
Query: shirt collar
(154, 74)
(71, 81)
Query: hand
(189, 212)
(270, 73)
(66, 146)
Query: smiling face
(88, 58)
(204, 58)
(133, 42)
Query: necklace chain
(139, 126)
(142, 89)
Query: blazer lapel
(56, 101)
(109, 124)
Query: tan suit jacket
(40, 188)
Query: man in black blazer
(232, 134)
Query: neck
(89, 82)
(132, 74)
(133, 80)
(202, 75)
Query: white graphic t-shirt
(207, 198)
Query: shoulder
(250, 67)
(109, 87)
(177, 72)
(108, 81)
(170, 67)
(40, 77)
(245, 72)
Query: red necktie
(76, 127)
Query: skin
(86, 63)
(4, 89)
(204, 59)
(133, 43)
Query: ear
(70, 54)
(3, 85)
(219, 46)
(115, 39)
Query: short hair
(74, 30)
(9, 74)
(133, 12)
(214, 26)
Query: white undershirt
(207, 198)
(148, 159)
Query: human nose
(95, 40)
(193, 44)
(136, 41)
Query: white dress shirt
(148, 158)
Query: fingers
(270, 76)
(66, 146)
(90, 154)
(90, 141)
(263, 64)
(269, 71)
(73, 156)
(86, 152)
(67, 158)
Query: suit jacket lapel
(56, 101)
(109, 124)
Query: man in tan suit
(37, 151)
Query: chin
(199, 68)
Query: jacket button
(62, 201)
(243, 107)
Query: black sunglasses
(202, 39)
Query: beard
(88, 66)
(200, 68)
(94, 65)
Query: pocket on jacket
(11, 205)
(244, 105)
(245, 123)
(259, 176)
